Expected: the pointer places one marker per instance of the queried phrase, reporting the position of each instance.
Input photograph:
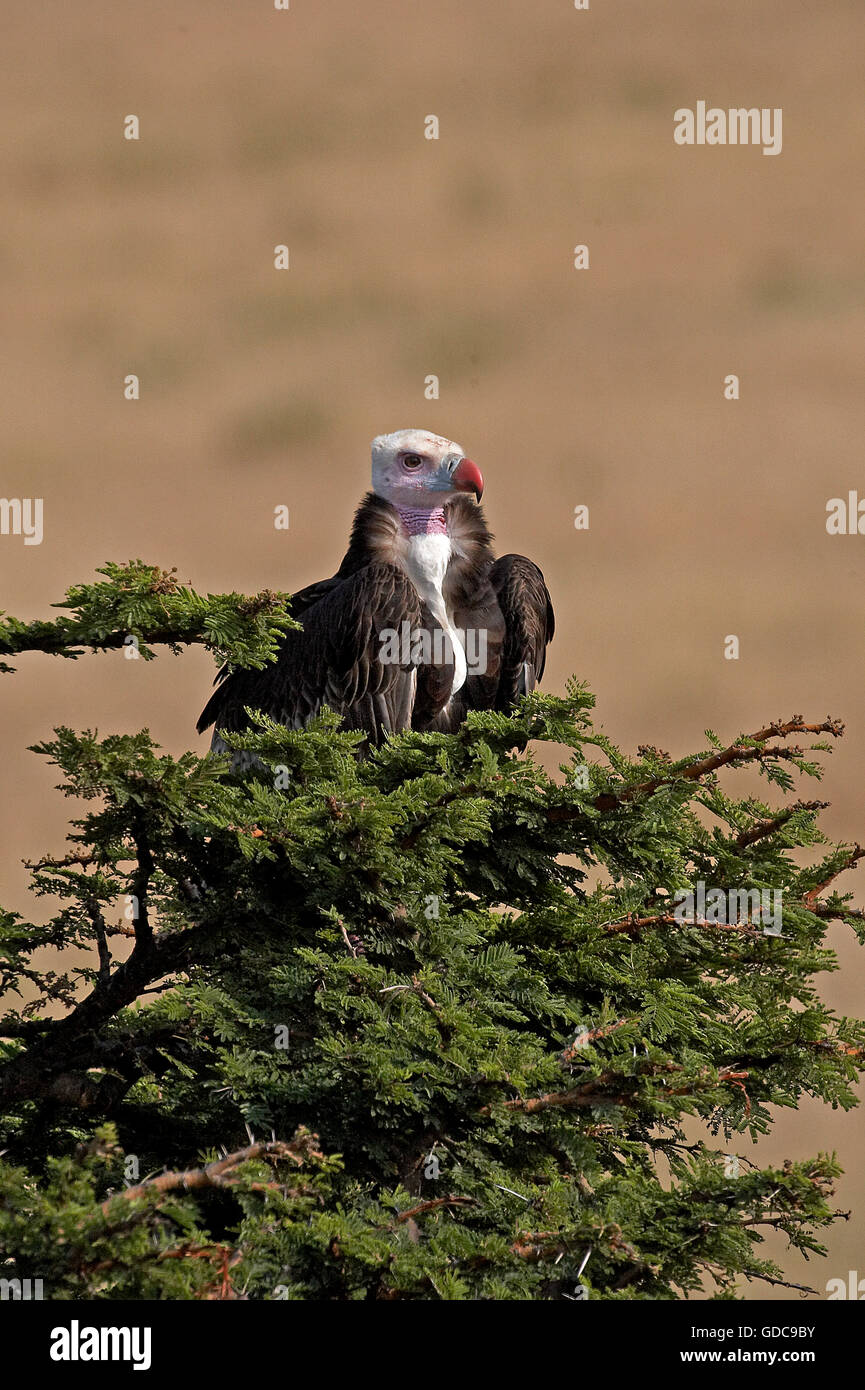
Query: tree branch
(810, 898)
(762, 828)
(299, 1149)
(738, 752)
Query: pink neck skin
(419, 521)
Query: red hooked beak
(467, 477)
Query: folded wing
(529, 626)
(340, 659)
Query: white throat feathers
(427, 558)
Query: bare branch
(762, 828)
(216, 1174)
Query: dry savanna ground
(453, 257)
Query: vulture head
(412, 468)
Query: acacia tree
(425, 1024)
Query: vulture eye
(413, 461)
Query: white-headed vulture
(419, 624)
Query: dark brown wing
(529, 626)
(342, 659)
(300, 602)
(479, 619)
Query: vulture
(420, 623)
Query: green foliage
(435, 1008)
(148, 604)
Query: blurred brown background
(411, 257)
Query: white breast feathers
(426, 562)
